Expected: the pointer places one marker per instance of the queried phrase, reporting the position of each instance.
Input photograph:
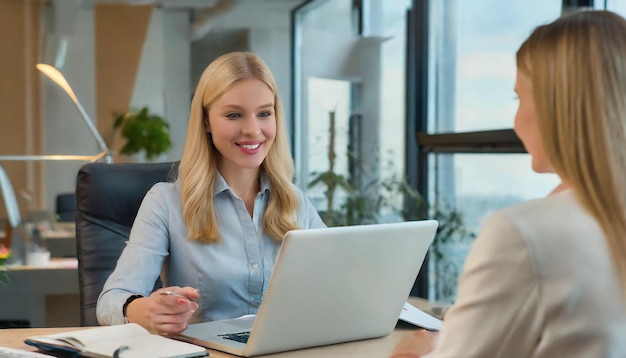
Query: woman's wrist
(129, 300)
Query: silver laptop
(329, 286)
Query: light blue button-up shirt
(232, 276)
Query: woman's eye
(265, 114)
(233, 115)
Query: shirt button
(255, 266)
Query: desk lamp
(57, 77)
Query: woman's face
(242, 124)
(526, 126)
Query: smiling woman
(220, 225)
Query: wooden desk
(44, 296)
(61, 243)
(369, 348)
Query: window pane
(472, 74)
(328, 100)
(360, 78)
(392, 91)
(476, 185)
(618, 6)
(472, 62)
(494, 180)
(323, 30)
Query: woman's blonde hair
(577, 68)
(198, 166)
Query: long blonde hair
(577, 67)
(198, 166)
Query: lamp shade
(57, 77)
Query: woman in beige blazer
(547, 278)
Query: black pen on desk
(117, 352)
(172, 293)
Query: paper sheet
(417, 317)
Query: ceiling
(188, 4)
(63, 13)
(181, 4)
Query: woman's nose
(251, 131)
(251, 128)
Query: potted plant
(143, 131)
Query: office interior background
(418, 89)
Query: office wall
(117, 62)
(65, 131)
(129, 81)
(20, 127)
(162, 81)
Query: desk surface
(53, 234)
(61, 243)
(377, 347)
(70, 264)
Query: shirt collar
(221, 184)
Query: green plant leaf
(143, 132)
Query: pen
(117, 352)
(172, 293)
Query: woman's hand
(415, 344)
(164, 313)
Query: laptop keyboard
(238, 336)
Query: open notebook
(329, 286)
(126, 341)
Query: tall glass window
(472, 75)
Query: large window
(427, 85)
(472, 69)
(475, 163)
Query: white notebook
(419, 318)
(130, 340)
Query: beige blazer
(538, 282)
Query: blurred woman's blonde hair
(198, 166)
(577, 69)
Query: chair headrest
(115, 191)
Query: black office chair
(107, 199)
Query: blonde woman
(214, 234)
(547, 278)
